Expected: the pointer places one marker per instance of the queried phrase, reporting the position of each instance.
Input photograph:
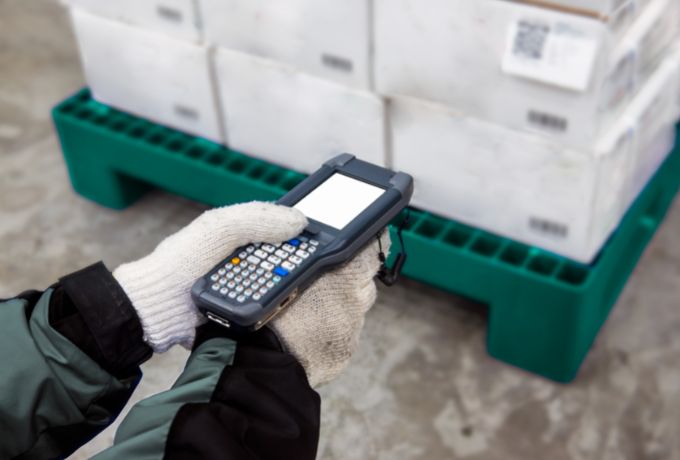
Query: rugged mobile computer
(348, 202)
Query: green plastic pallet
(544, 310)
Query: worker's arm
(70, 360)
(71, 355)
(251, 399)
(245, 400)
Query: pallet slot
(486, 245)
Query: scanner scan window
(339, 200)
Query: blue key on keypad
(295, 242)
(280, 271)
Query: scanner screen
(339, 200)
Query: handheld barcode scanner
(348, 202)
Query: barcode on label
(547, 121)
(168, 13)
(186, 112)
(548, 227)
(530, 40)
(337, 63)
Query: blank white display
(339, 200)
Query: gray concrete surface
(421, 386)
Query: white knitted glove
(159, 285)
(321, 328)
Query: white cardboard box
(520, 66)
(179, 18)
(655, 114)
(276, 113)
(326, 38)
(619, 12)
(148, 74)
(676, 52)
(519, 185)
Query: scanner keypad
(253, 271)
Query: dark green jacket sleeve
(70, 360)
(234, 401)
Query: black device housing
(336, 246)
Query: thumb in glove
(159, 285)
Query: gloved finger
(257, 222)
(322, 327)
(358, 276)
(354, 282)
(218, 232)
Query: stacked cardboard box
(324, 38)
(532, 188)
(533, 122)
(522, 67)
(619, 13)
(540, 120)
(288, 117)
(294, 79)
(177, 18)
(148, 58)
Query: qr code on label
(530, 40)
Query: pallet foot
(105, 186)
(542, 338)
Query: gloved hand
(159, 285)
(321, 328)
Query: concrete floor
(421, 386)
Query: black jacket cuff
(91, 309)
